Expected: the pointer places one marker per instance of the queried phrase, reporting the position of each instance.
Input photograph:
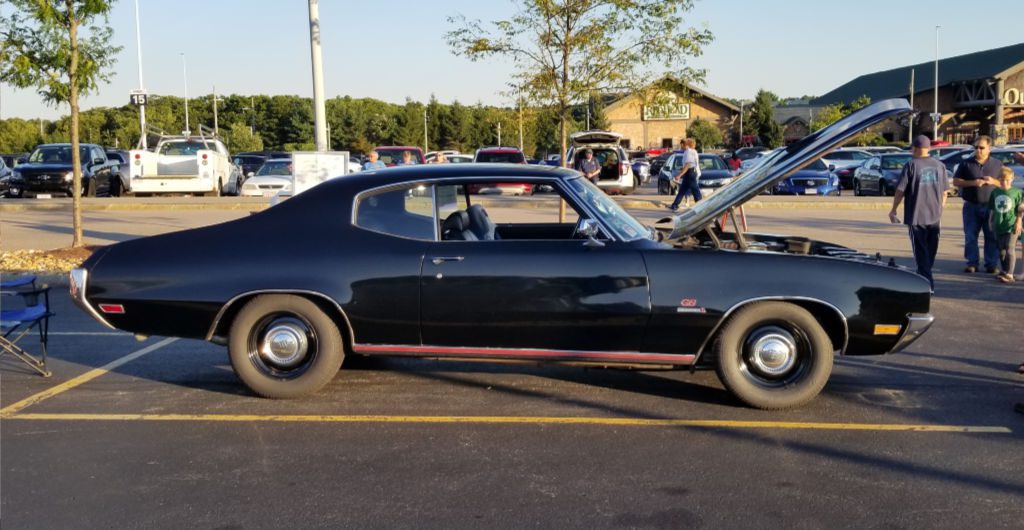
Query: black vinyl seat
(480, 223)
(456, 228)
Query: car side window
(403, 212)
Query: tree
(241, 139)
(705, 133)
(566, 50)
(762, 119)
(42, 47)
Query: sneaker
(992, 270)
(970, 269)
(673, 208)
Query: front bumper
(917, 324)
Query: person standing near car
(977, 177)
(373, 161)
(923, 184)
(688, 176)
(589, 167)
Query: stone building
(978, 93)
(662, 121)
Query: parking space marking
(534, 420)
(11, 410)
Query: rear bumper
(917, 324)
(172, 185)
(77, 280)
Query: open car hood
(779, 164)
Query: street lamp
(142, 87)
(935, 112)
(184, 72)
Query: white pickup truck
(184, 164)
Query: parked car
(432, 155)
(249, 163)
(616, 173)
(11, 160)
(815, 179)
(460, 159)
(879, 174)
(274, 176)
(714, 172)
(197, 165)
(642, 169)
(48, 171)
(844, 158)
(845, 175)
(121, 158)
(746, 153)
(882, 149)
(939, 152)
(501, 155)
(5, 178)
(658, 162)
(390, 273)
(391, 155)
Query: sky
(395, 49)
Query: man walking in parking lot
(923, 184)
(977, 177)
(689, 176)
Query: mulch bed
(46, 261)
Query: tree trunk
(563, 107)
(76, 158)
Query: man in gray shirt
(589, 167)
(923, 184)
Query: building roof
(689, 88)
(999, 62)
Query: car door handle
(441, 259)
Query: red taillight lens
(137, 156)
(623, 168)
(204, 156)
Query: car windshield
(394, 156)
(895, 161)
(712, 162)
(624, 225)
(501, 157)
(56, 154)
(183, 148)
(282, 167)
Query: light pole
(216, 127)
(425, 129)
(142, 87)
(184, 73)
(935, 111)
(319, 107)
(739, 141)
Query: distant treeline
(286, 123)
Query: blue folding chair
(24, 306)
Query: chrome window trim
(725, 316)
(229, 303)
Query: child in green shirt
(1005, 222)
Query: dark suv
(48, 170)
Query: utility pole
(910, 128)
(319, 107)
(184, 72)
(521, 119)
(216, 128)
(252, 119)
(424, 129)
(935, 112)
(142, 87)
(328, 136)
(499, 133)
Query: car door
(871, 175)
(504, 296)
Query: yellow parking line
(10, 410)
(483, 420)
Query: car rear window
(501, 157)
(184, 148)
(393, 157)
(405, 212)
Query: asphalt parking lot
(158, 433)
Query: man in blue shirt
(977, 177)
(373, 161)
(923, 183)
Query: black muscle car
(402, 262)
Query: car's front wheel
(284, 346)
(856, 188)
(773, 355)
(663, 187)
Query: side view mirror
(590, 229)
(831, 167)
(21, 160)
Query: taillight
(204, 159)
(623, 168)
(138, 159)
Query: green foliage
(705, 133)
(240, 139)
(566, 51)
(833, 113)
(762, 119)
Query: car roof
(499, 150)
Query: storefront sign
(1013, 96)
(667, 111)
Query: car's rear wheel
(284, 346)
(773, 355)
(883, 188)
